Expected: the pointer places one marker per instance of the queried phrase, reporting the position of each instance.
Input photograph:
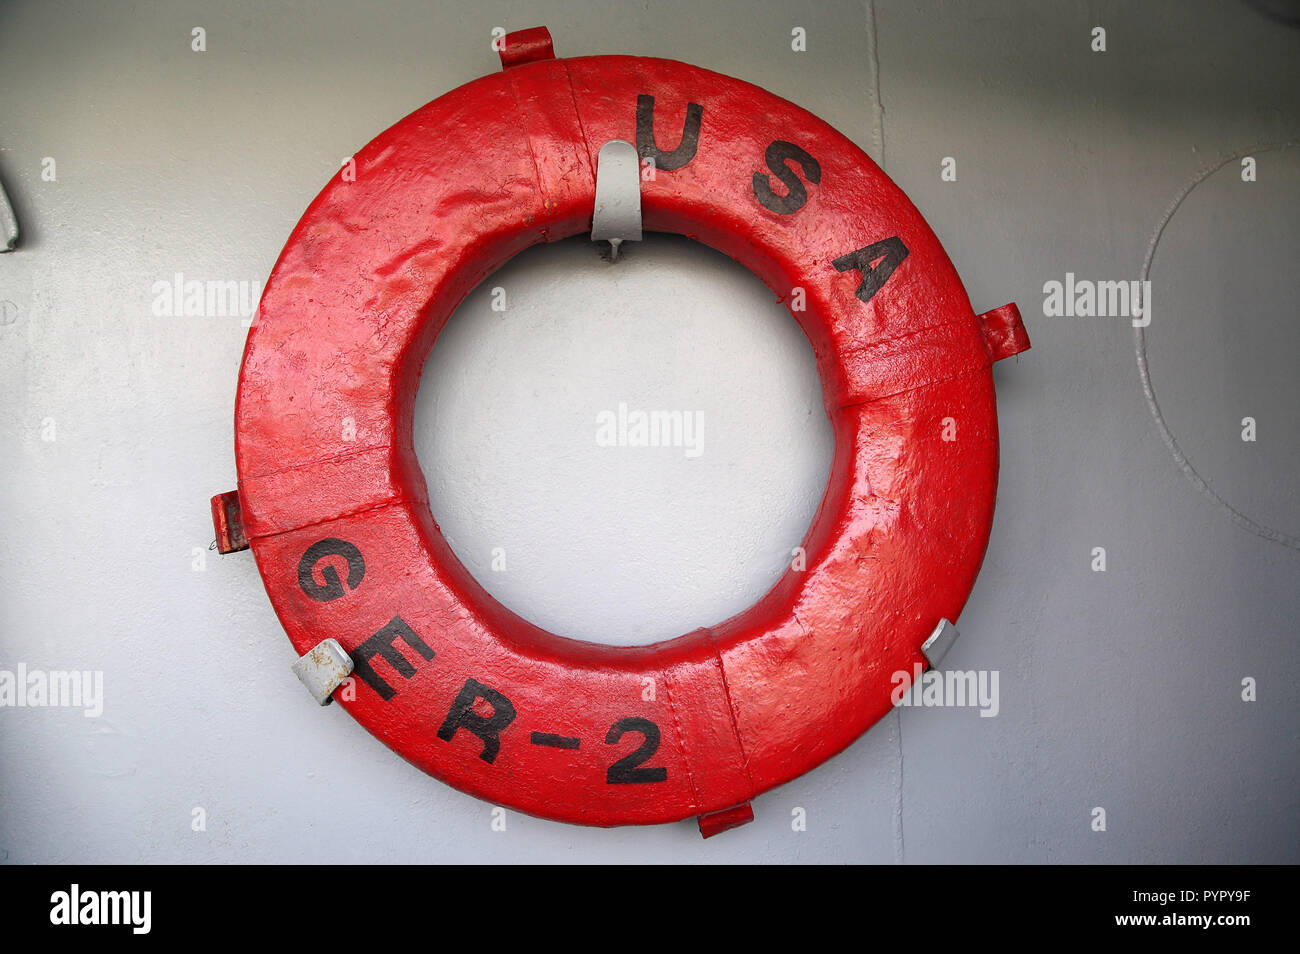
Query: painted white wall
(1119, 689)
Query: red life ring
(334, 503)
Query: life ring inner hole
(593, 433)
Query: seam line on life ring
(328, 459)
(888, 368)
(582, 129)
(863, 400)
(332, 484)
(679, 741)
(549, 127)
(731, 708)
(1002, 335)
(721, 767)
(395, 502)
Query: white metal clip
(323, 668)
(940, 641)
(9, 223)
(617, 215)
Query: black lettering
(487, 728)
(332, 587)
(381, 644)
(645, 135)
(778, 156)
(889, 252)
(625, 771)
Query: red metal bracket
(715, 823)
(1004, 331)
(526, 46)
(228, 521)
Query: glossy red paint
(484, 700)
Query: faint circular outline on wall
(1140, 347)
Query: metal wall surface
(1119, 689)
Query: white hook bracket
(322, 669)
(940, 641)
(9, 223)
(617, 215)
